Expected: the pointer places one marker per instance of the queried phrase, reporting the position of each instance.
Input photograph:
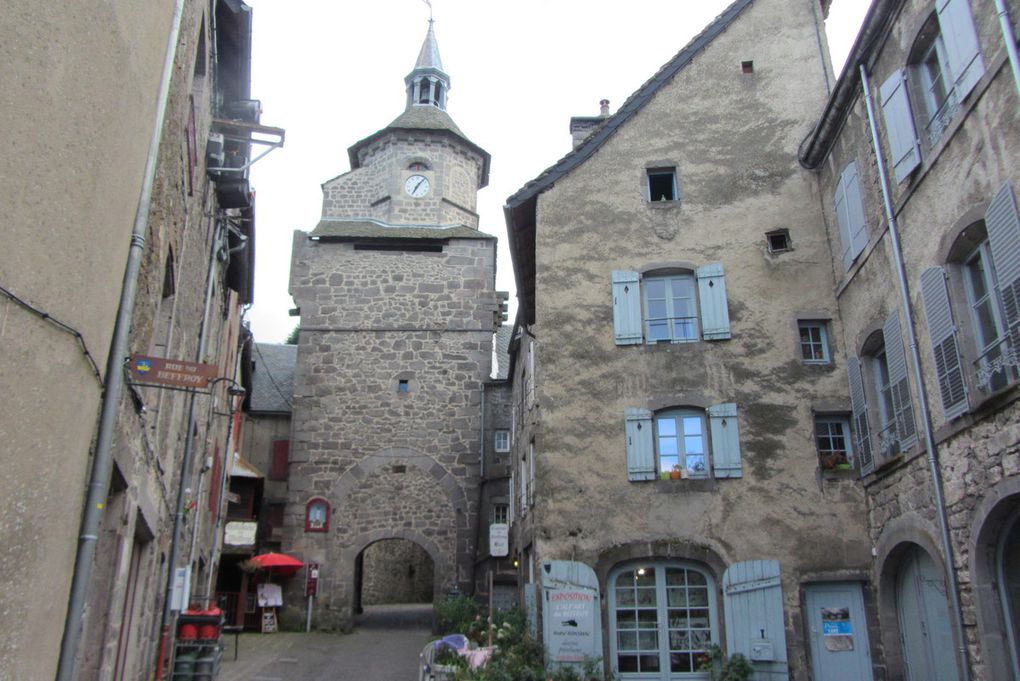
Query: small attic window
(418, 165)
(662, 184)
(747, 66)
(778, 241)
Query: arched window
(418, 166)
(317, 514)
(662, 619)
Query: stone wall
(396, 571)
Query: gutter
(102, 464)
(1009, 38)
(922, 396)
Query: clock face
(417, 186)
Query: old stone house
(917, 162)
(123, 237)
(395, 289)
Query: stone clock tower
(395, 288)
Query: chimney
(582, 126)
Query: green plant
(736, 667)
(455, 615)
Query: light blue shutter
(715, 314)
(843, 218)
(640, 449)
(942, 332)
(899, 125)
(725, 440)
(962, 48)
(626, 308)
(899, 383)
(855, 209)
(755, 624)
(1003, 227)
(859, 405)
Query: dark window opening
(778, 241)
(662, 184)
(403, 386)
(747, 66)
(418, 165)
(401, 246)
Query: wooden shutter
(899, 125)
(1003, 227)
(944, 345)
(640, 445)
(725, 440)
(962, 48)
(859, 405)
(899, 383)
(715, 314)
(755, 623)
(843, 218)
(626, 308)
(853, 229)
(280, 462)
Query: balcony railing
(996, 367)
(943, 117)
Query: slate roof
(371, 229)
(272, 378)
(503, 336)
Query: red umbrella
(280, 563)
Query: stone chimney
(581, 127)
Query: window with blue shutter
(626, 308)
(859, 405)
(963, 52)
(899, 383)
(715, 313)
(899, 125)
(755, 623)
(1003, 225)
(640, 447)
(725, 440)
(944, 345)
(849, 206)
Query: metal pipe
(102, 463)
(919, 386)
(228, 455)
(1009, 38)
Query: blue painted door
(838, 632)
(923, 613)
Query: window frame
(984, 378)
(661, 172)
(498, 511)
(828, 420)
(680, 416)
(822, 325)
(501, 434)
(669, 301)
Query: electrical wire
(66, 328)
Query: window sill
(685, 485)
(664, 205)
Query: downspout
(915, 356)
(228, 456)
(1009, 38)
(102, 463)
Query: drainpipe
(102, 463)
(1009, 38)
(915, 356)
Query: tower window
(403, 386)
(418, 165)
(778, 240)
(747, 66)
(662, 184)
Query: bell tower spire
(428, 84)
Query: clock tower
(396, 292)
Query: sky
(331, 72)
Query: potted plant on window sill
(836, 461)
(676, 473)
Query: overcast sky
(331, 72)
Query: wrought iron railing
(997, 366)
(943, 117)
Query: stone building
(395, 288)
(681, 432)
(926, 253)
(156, 260)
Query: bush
(722, 668)
(456, 615)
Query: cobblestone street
(383, 647)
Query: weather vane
(429, 3)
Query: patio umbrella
(278, 563)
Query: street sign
(171, 372)
(312, 579)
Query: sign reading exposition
(572, 620)
(171, 372)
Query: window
(661, 619)
(747, 66)
(317, 516)
(531, 473)
(832, 436)
(500, 514)
(418, 165)
(814, 342)
(993, 371)
(670, 306)
(502, 441)
(849, 207)
(778, 241)
(944, 66)
(403, 386)
(662, 184)
(683, 442)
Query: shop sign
(499, 540)
(171, 372)
(240, 533)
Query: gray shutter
(640, 448)
(1003, 225)
(899, 125)
(715, 315)
(843, 218)
(859, 404)
(942, 332)
(963, 51)
(855, 211)
(626, 308)
(899, 383)
(725, 440)
(755, 624)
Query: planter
(674, 475)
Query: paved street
(383, 647)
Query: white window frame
(681, 441)
(990, 372)
(822, 342)
(825, 422)
(670, 318)
(500, 514)
(501, 441)
(662, 172)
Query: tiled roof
(503, 336)
(272, 378)
(369, 229)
